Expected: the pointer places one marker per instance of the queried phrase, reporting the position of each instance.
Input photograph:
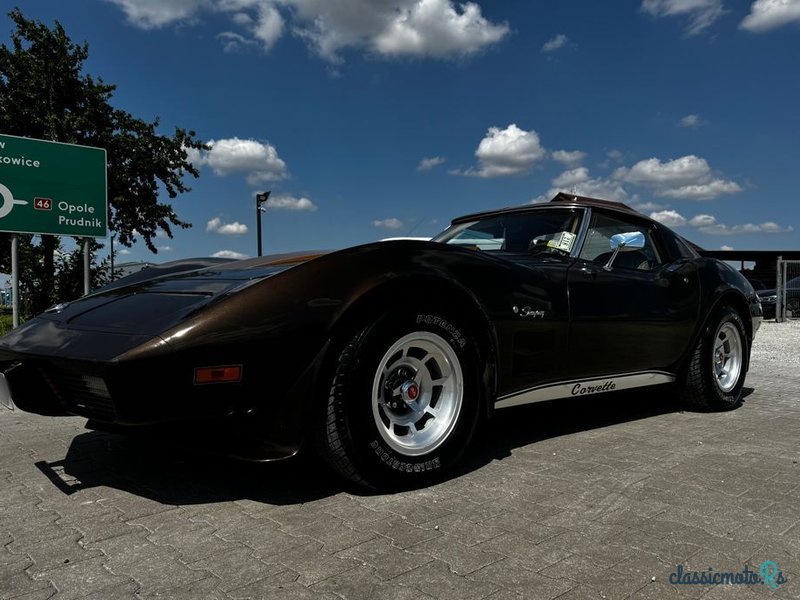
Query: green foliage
(45, 94)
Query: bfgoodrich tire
(715, 375)
(403, 400)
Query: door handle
(589, 273)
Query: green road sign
(50, 187)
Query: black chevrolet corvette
(385, 356)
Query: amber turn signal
(225, 374)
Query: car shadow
(177, 476)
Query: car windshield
(536, 231)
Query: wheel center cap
(410, 390)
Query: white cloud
(578, 181)
(646, 207)
(571, 177)
(431, 28)
(767, 227)
(286, 202)
(555, 43)
(726, 247)
(437, 28)
(691, 121)
(216, 225)
(702, 191)
(259, 161)
(232, 41)
(124, 252)
(708, 224)
(670, 218)
(504, 152)
(700, 13)
(151, 14)
(702, 221)
(229, 254)
(688, 178)
(390, 223)
(426, 164)
(568, 158)
(766, 15)
(164, 248)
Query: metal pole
(112, 257)
(258, 223)
(86, 286)
(14, 281)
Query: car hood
(127, 315)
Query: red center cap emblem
(412, 391)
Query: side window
(597, 247)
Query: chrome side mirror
(620, 242)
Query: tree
(45, 94)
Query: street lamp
(261, 198)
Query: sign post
(51, 188)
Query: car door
(636, 316)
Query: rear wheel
(403, 400)
(715, 376)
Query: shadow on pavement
(176, 476)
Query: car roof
(561, 200)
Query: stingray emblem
(8, 201)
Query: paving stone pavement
(597, 498)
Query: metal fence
(787, 290)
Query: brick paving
(597, 498)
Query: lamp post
(261, 198)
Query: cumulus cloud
(286, 202)
(766, 15)
(151, 14)
(555, 43)
(164, 248)
(708, 224)
(504, 152)
(687, 178)
(390, 223)
(702, 220)
(258, 161)
(701, 14)
(670, 218)
(216, 225)
(578, 181)
(426, 164)
(438, 28)
(424, 28)
(229, 254)
(568, 158)
(726, 247)
(691, 121)
(646, 207)
(124, 252)
(766, 227)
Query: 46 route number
(42, 204)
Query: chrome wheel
(417, 393)
(727, 356)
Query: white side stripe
(584, 387)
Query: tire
(403, 400)
(715, 375)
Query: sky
(369, 119)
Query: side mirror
(621, 242)
(633, 240)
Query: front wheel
(715, 375)
(403, 400)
